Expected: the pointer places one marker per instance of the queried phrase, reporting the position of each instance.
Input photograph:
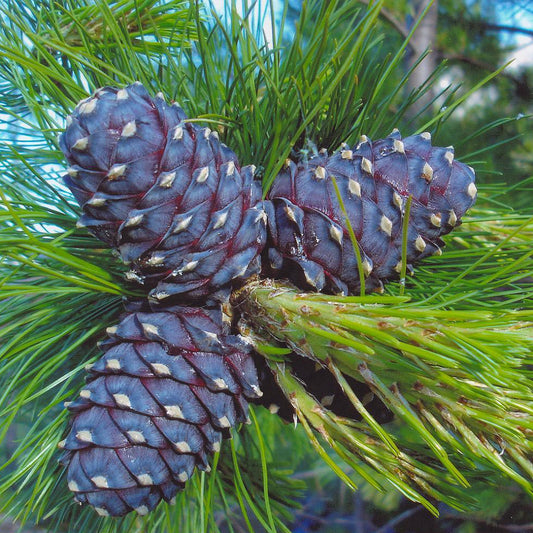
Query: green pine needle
(450, 359)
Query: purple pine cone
(309, 240)
(168, 388)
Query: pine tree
(446, 353)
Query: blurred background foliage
(53, 53)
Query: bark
(423, 39)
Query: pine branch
(458, 379)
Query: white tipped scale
(72, 172)
(96, 201)
(174, 411)
(366, 165)
(182, 224)
(398, 200)
(258, 392)
(452, 218)
(167, 179)
(101, 511)
(253, 168)
(427, 172)
(207, 132)
(84, 436)
(289, 211)
(320, 173)
(160, 95)
(436, 219)
(347, 154)
(66, 405)
(420, 244)
(230, 169)
(398, 146)
(336, 233)
(61, 445)
(73, 486)
(88, 367)
(471, 169)
(161, 370)
(426, 136)
(100, 482)
(129, 130)
(81, 144)
(398, 266)
(214, 135)
(85, 393)
(149, 329)
(395, 130)
(145, 479)
(183, 447)
(224, 422)
(131, 275)
(220, 219)
(203, 175)
(80, 224)
(287, 163)
(188, 267)
(212, 337)
(363, 139)
(385, 225)
(116, 171)
(68, 120)
(178, 133)
(367, 267)
(471, 190)
(142, 510)
(111, 330)
(261, 217)
(133, 221)
(122, 400)
(88, 106)
(113, 364)
(438, 251)
(216, 446)
(273, 408)
(183, 477)
(220, 383)
(155, 260)
(449, 157)
(160, 295)
(354, 187)
(136, 436)
(122, 94)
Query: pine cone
(167, 194)
(309, 241)
(169, 386)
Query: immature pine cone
(167, 194)
(168, 388)
(309, 240)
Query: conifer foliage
(231, 259)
